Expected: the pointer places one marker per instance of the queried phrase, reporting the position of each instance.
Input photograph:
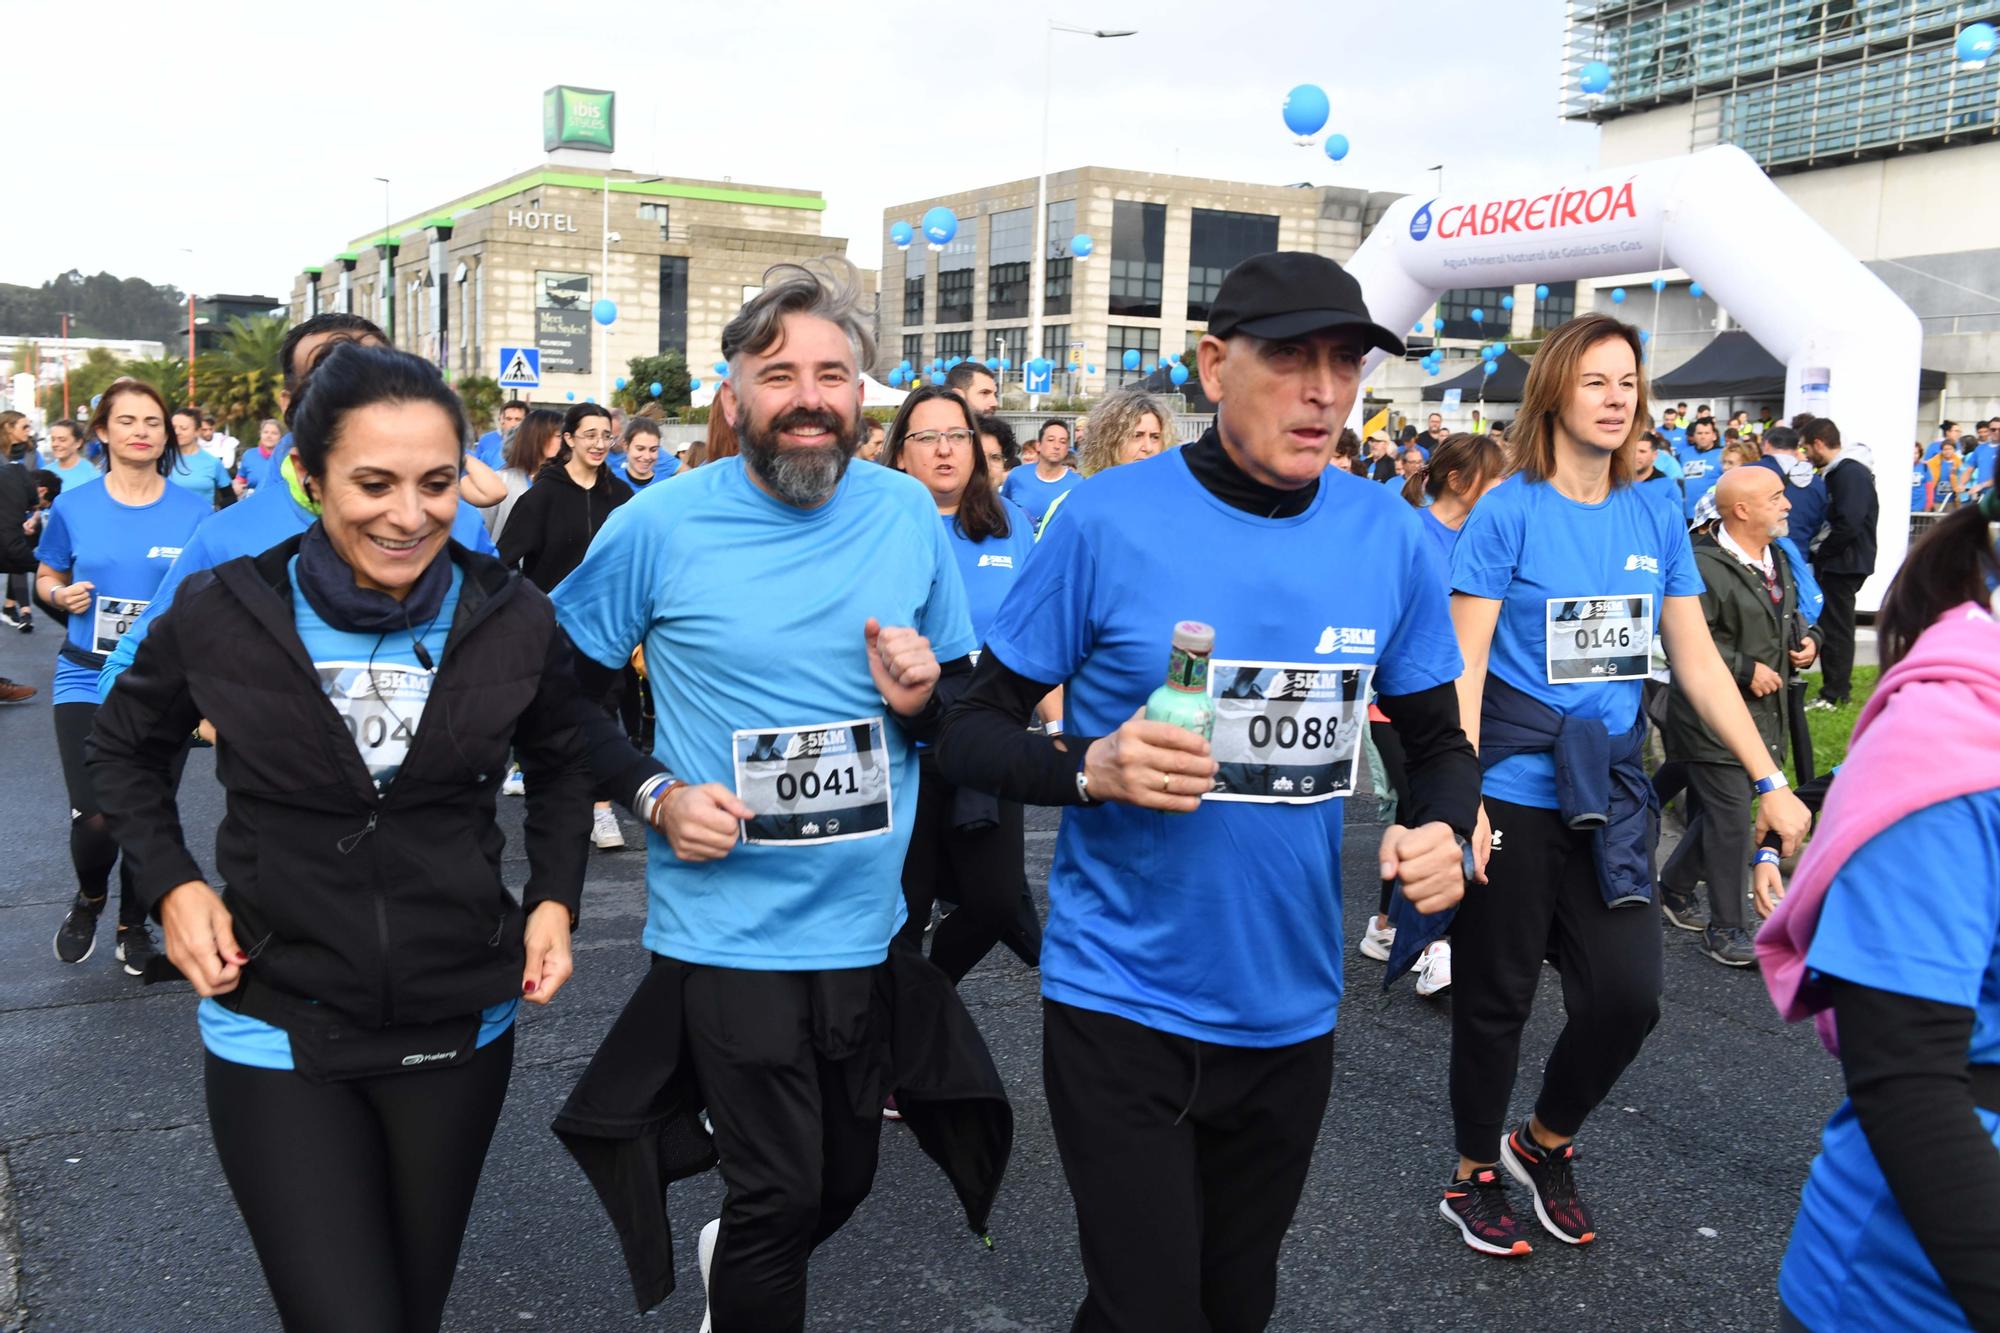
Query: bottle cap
(1194, 637)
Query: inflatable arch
(1851, 348)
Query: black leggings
(356, 1193)
(92, 850)
(980, 871)
(1396, 769)
(1542, 900)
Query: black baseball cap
(1288, 293)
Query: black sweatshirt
(982, 744)
(551, 525)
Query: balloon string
(1659, 262)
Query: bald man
(1752, 606)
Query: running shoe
(12, 618)
(515, 785)
(1824, 705)
(1729, 946)
(1376, 941)
(705, 1252)
(13, 692)
(604, 830)
(1434, 968)
(1683, 911)
(889, 1108)
(1478, 1208)
(76, 938)
(136, 948)
(1551, 1174)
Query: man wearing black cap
(1192, 964)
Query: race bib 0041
(381, 707)
(827, 782)
(1286, 733)
(1592, 639)
(114, 617)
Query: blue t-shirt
(1675, 436)
(126, 551)
(758, 658)
(76, 474)
(1853, 1262)
(1630, 544)
(1668, 465)
(1920, 481)
(255, 467)
(664, 466)
(1983, 459)
(250, 527)
(990, 567)
(1223, 925)
(1701, 469)
(1026, 489)
(1444, 539)
(491, 450)
(201, 472)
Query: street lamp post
(189, 252)
(1037, 275)
(386, 276)
(604, 288)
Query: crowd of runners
(826, 663)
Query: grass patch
(1831, 731)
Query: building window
(1057, 271)
(1009, 251)
(673, 303)
(913, 350)
(1138, 258)
(1559, 308)
(913, 300)
(1218, 242)
(1118, 340)
(1455, 308)
(955, 297)
(957, 344)
(655, 213)
(1055, 344)
(1010, 344)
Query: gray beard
(802, 478)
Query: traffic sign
(1038, 375)
(520, 368)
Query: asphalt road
(114, 1215)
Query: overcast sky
(251, 133)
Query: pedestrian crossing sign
(520, 367)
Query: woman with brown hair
(534, 442)
(1557, 632)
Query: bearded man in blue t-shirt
(1192, 965)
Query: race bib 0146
(114, 617)
(1286, 733)
(1591, 639)
(827, 782)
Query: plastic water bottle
(1183, 700)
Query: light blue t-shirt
(491, 450)
(1444, 540)
(1676, 438)
(201, 472)
(1920, 481)
(1853, 1261)
(1983, 459)
(1527, 546)
(664, 466)
(990, 567)
(250, 527)
(1668, 465)
(76, 474)
(1223, 925)
(125, 550)
(1026, 489)
(256, 468)
(752, 613)
(1701, 469)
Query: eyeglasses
(931, 439)
(591, 436)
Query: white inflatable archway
(1851, 348)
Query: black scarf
(328, 584)
(1221, 477)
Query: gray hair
(827, 288)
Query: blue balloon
(1644, 336)
(1418, 327)
(904, 364)
(1478, 315)
(1306, 110)
(940, 225)
(1336, 146)
(1976, 42)
(604, 310)
(1542, 291)
(1131, 358)
(590, 398)
(1596, 77)
(1659, 284)
(570, 396)
(1618, 296)
(900, 234)
(1694, 290)
(992, 363)
(1179, 375)
(1090, 370)
(1081, 245)
(722, 367)
(1506, 303)
(937, 379)
(1491, 366)
(1005, 365)
(654, 388)
(1437, 326)
(618, 383)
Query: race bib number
(1599, 638)
(115, 616)
(828, 782)
(1286, 733)
(381, 707)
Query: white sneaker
(515, 785)
(604, 830)
(1434, 968)
(706, 1252)
(1376, 941)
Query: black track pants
(979, 871)
(92, 850)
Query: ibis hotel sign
(577, 118)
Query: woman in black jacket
(360, 976)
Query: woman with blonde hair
(1125, 428)
(1557, 632)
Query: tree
(240, 379)
(668, 370)
(168, 374)
(482, 398)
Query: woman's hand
(549, 963)
(200, 939)
(74, 597)
(1768, 884)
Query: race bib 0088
(1286, 733)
